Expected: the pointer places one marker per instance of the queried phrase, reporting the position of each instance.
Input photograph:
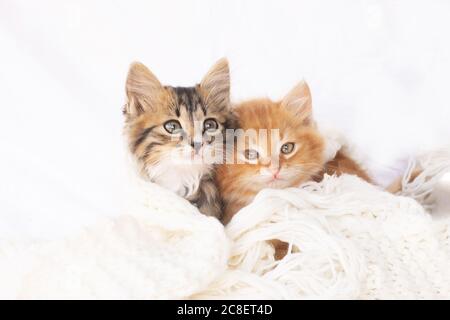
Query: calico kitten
(169, 129)
(295, 156)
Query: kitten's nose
(275, 172)
(196, 146)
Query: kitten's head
(175, 126)
(290, 153)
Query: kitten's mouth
(277, 178)
(277, 181)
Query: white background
(379, 71)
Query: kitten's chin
(271, 183)
(185, 159)
(278, 184)
(182, 179)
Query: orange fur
(292, 116)
(239, 183)
(341, 164)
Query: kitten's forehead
(266, 114)
(188, 99)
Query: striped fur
(166, 158)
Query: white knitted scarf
(348, 240)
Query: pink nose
(275, 173)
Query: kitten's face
(172, 128)
(292, 152)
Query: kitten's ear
(143, 89)
(299, 102)
(216, 86)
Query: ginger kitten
(294, 156)
(170, 129)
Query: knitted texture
(164, 248)
(348, 239)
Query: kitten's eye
(172, 126)
(210, 125)
(287, 148)
(251, 154)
